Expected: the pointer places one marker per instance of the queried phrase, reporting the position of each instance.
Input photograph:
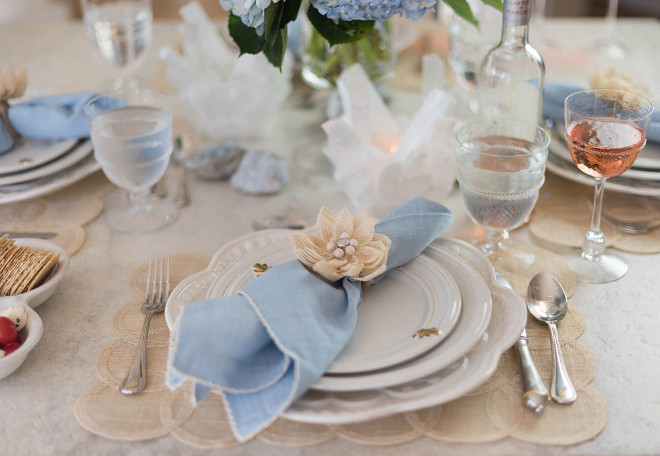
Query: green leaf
(339, 32)
(273, 17)
(291, 8)
(497, 4)
(245, 37)
(277, 16)
(275, 52)
(462, 8)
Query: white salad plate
(476, 312)
(30, 153)
(70, 158)
(418, 295)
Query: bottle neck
(515, 35)
(515, 22)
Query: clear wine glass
(501, 167)
(468, 45)
(120, 30)
(609, 45)
(131, 131)
(605, 132)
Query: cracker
(29, 268)
(6, 276)
(53, 259)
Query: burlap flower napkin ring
(344, 246)
(12, 85)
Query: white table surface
(36, 402)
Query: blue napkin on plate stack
(265, 347)
(553, 106)
(56, 117)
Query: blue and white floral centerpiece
(261, 25)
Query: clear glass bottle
(512, 75)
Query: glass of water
(120, 30)
(131, 133)
(468, 45)
(501, 167)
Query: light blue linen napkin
(265, 347)
(553, 106)
(56, 117)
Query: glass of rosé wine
(605, 132)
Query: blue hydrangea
(251, 12)
(349, 10)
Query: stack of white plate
(431, 332)
(35, 168)
(643, 177)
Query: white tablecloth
(37, 401)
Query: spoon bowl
(546, 301)
(546, 298)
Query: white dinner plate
(30, 153)
(475, 314)
(508, 319)
(619, 184)
(63, 162)
(416, 296)
(49, 184)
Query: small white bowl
(30, 334)
(36, 297)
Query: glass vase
(322, 64)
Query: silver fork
(632, 226)
(157, 292)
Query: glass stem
(495, 240)
(610, 31)
(140, 201)
(594, 241)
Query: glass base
(121, 216)
(608, 268)
(611, 49)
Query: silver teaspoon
(546, 301)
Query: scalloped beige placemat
(64, 213)
(562, 216)
(491, 412)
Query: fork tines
(158, 280)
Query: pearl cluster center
(342, 246)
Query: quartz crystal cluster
(223, 95)
(379, 165)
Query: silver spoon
(546, 301)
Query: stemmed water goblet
(131, 132)
(120, 30)
(605, 132)
(501, 167)
(609, 45)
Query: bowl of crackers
(30, 269)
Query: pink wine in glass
(604, 148)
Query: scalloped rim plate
(508, 319)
